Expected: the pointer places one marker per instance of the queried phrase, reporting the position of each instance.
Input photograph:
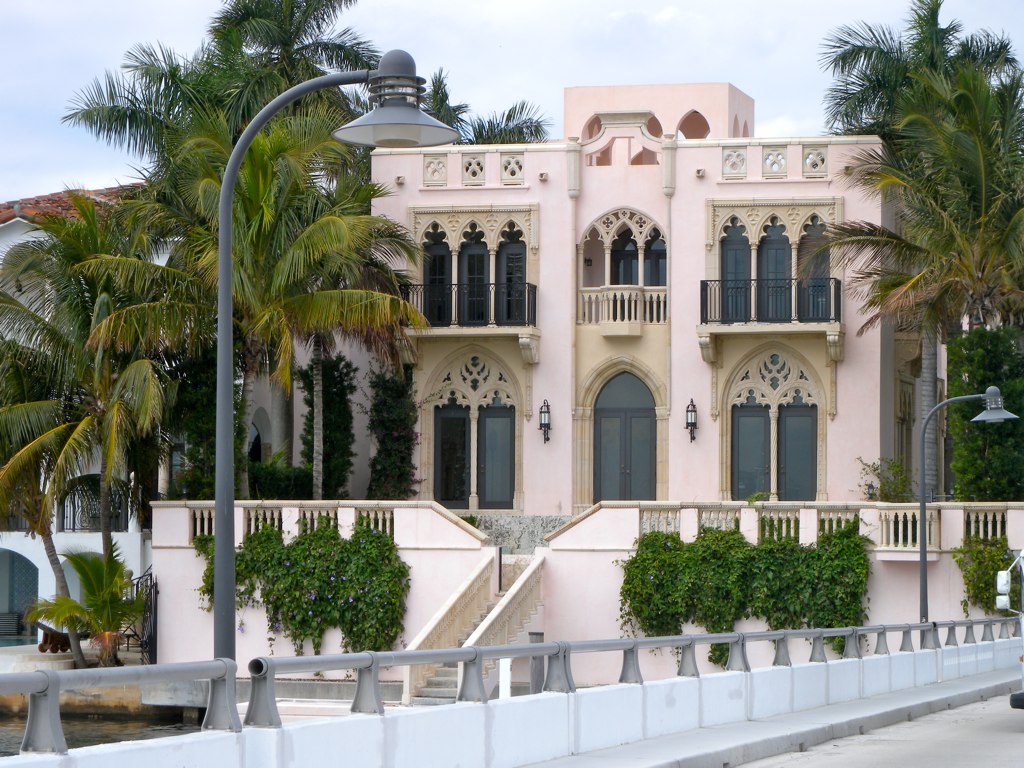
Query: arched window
(624, 259)
(437, 277)
(774, 274)
(735, 272)
(474, 437)
(655, 259)
(474, 278)
(625, 452)
(774, 435)
(511, 283)
(813, 297)
(694, 126)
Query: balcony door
(814, 301)
(625, 449)
(474, 279)
(774, 275)
(735, 292)
(511, 283)
(437, 288)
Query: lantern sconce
(691, 419)
(545, 420)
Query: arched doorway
(19, 588)
(625, 434)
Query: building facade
(659, 256)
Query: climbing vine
(720, 578)
(320, 581)
(979, 561)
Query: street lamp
(993, 414)
(395, 121)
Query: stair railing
(506, 623)
(453, 621)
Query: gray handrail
(43, 731)
(262, 710)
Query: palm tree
(955, 175)
(26, 494)
(296, 252)
(874, 66)
(107, 604)
(522, 123)
(91, 398)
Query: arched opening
(260, 436)
(625, 448)
(813, 296)
(592, 128)
(19, 588)
(654, 127)
(694, 126)
(746, 130)
(602, 156)
(644, 157)
(735, 126)
(510, 286)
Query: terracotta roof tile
(58, 203)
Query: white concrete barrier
(518, 731)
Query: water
(8, 640)
(87, 731)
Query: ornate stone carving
(473, 170)
(608, 226)
(512, 168)
(756, 213)
(435, 170)
(815, 161)
(492, 220)
(774, 162)
(734, 162)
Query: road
(988, 734)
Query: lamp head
(994, 411)
(396, 120)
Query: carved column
(474, 497)
(753, 280)
(773, 417)
(794, 272)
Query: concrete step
(427, 701)
(440, 682)
(438, 692)
(449, 673)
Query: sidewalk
(738, 743)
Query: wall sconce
(399, 180)
(691, 419)
(587, 261)
(545, 420)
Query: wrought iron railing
(81, 512)
(475, 304)
(812, 300)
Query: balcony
(817, 300)
(479, 309)
(730, 307)
(475, 304)
(622, 310)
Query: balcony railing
(623, 304)
(813, 300)
(82, 513)
(475, 304)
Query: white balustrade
(623, 304)
(985, 523)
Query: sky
(496, 52)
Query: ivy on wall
(721, 578)
(320, 581)
(979, 561)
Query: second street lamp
(993, 414)
(395, 121)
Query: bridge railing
(262, 709)
(43, 731)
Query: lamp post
(993, 414)
(395, 121)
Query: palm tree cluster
(949, 108)
(110, 309)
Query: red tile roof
(59, 203)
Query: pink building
(658, 256)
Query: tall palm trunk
(929, 473)
(317, 363)
(104, 501)
(62, 590)
(249, 360)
